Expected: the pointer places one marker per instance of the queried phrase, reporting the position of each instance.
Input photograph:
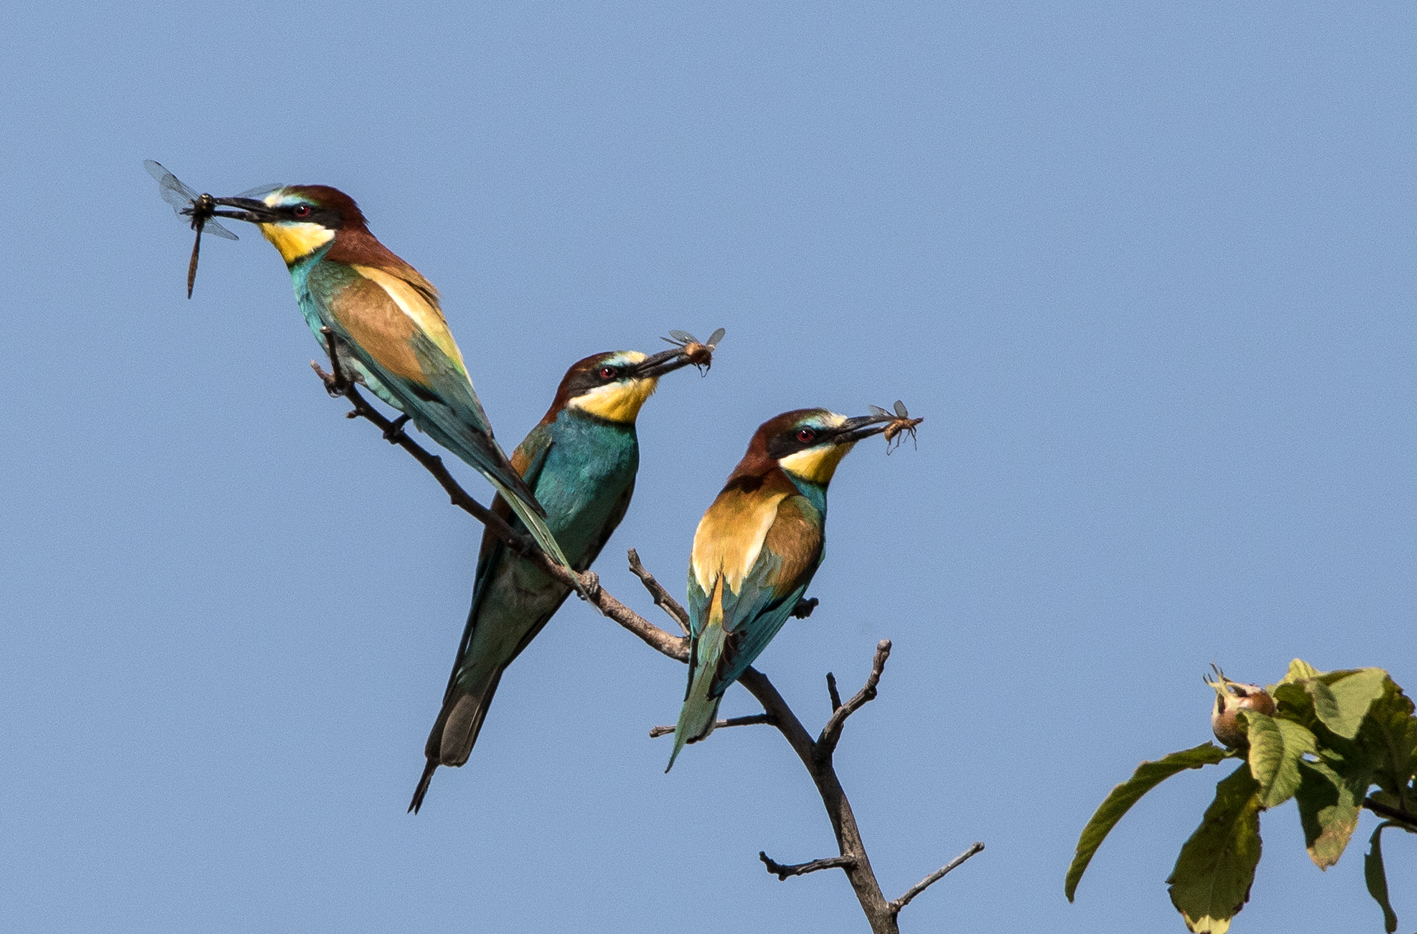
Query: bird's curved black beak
(249, 210)
(665, 362)
(862, 426)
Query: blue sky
(1145, 270)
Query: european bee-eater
(581, 461)
(756, 549)
(388, 328)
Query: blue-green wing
(441, 400)
(698, 604)
(758, 614)
(532, 452)
(757, 610)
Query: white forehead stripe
(626, 356)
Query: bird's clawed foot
(804, 608)
(394, 432)
(591, 582)
(336, 383)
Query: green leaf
(1388, 736)
(1342, 704)
(1376, 877)
(1328, 811)
(1293, 702)
(1147, 776)
(1326, 706)
(1213, 874)
(1300, 670)
(1275, 749)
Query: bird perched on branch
(756, 549)
(581, 461)
(386, 327)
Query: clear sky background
(1146, 270)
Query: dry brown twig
(816, 755)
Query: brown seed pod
(1231, 697)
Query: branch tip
(662, 599)
(801, 869)
(910, 893)
(658, 731)
(831, 733)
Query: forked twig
(831, 733)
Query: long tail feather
(700, 710)
(422, 788)
(456, 729)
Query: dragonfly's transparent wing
(173, 192)
(259, 191)
(900, 409)
(155, 169)
(164, 178)
(715, 337)
(212, 227)
(683, 337)
(879, 412)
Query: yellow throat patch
(816, 465)
(296, 240)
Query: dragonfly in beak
(201, 208)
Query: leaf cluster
(1333, 737)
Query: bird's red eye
(607, 372)
(805, 434)
(301, 210)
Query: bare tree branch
(750, 720)
(816, 755)
(335, 385)
(676, 647)
(832, 692)
(831, 733)
(662, 599)
(801, 869)
(934, 877)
